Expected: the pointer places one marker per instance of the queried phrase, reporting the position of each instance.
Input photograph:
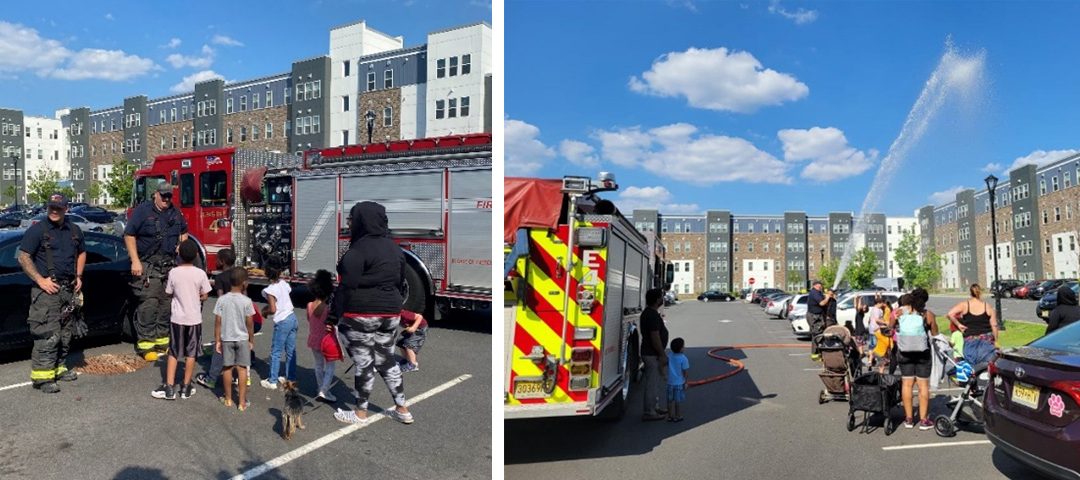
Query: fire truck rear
(290, 212)
(577, 273)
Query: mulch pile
(111, 364)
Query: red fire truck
(289, 211)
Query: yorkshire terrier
(292, 413)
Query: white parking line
(937, 444)
(797, 354)
(17, 385)
(327, 439)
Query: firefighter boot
(48, 387)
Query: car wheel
(1007, 294)
(706, 299)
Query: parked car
(94, 214)
(755, 296)
(845, 305)
(82, 222)
(1049, 301)
(1004, 288)
(763, 300)
(797, 305)
(715, 296)
(777, 305)
(13, 219)
(108, 305)
(1046, 287)
(1024, 290)
(1032, 403)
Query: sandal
(226, 401)
(247, 403)
(350, 416)
(405, 418)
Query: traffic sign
(751, 280)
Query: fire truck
(577, 272)
(290, 211)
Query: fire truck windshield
(144, 185)
(212, 191)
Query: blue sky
(59, 54)
(762, 107)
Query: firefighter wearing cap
(52, 254)
(152, 235)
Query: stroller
(841, 363)
(874, 393)
(966, 408)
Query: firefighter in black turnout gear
(52, 254)
(153, 232)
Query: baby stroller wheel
(944, 426)
(890, 425)
(851, 421)
(821, 397)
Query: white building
(1066, 255)
(1005, 263)
(458, 60)
(45, 148)
(759, 269)
(347, 44)
(895, 228)
(950, 273)
(683, 283)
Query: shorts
(413, 341)
(915, 364)
(235, 353)
(184, 340)
(676, 393)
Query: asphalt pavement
(762, 423)
(109, 427)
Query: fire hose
(739, 366)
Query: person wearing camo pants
(366, 308)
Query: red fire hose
(735, 363)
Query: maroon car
(1024, 291)
(1032, 408)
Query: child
(281, 307)
(188, 286)
(234, 335)
(412, 340)
(321, 287)
(222, 286)
(678, 365)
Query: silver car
(83, 224)
(777, 306)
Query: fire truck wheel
(416, 299)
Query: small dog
(292, 413)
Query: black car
(1004, 288)
(94, 214)
(12, 219)
(715, 296)
(1046, 287)
(108, 305)
(1049, 301)
(758, 293)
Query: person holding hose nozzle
(153, 233)
(816, 304)
(654, 340)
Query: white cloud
(718, 79)
(109, 16)
(579, 153)
(801, 16)
(525, 153)
(945, 196)
(188, 83)
(992, 167)
(179, 61)
(687, 4)
(1041, 157)
(657, 198)
(678, 151)
(225, 40)
(23, 49)
(173, 43)
(827, 149)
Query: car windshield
(1066, 339)
(1047, 283)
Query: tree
(828, 272)
(928, 271)
(120, 182)
(794, 280)
(68, 192)
(907, 257)
(860, 272)
(11, 192)
(44, 183)
(93, 192)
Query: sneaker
(68, 376)
(167, 392)
(405, 418)
(815, 357)
(50, 387)
(926, 424)
(909, 422)
(326, 397)
(205, 380)
(268, 384)
(409, 367)
(350, 416)
(186, 391)
(248, 381)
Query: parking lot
(762, 423)
(108, 426)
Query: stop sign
(751, 280)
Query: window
(750, 229)
(370, 81)
(183, 112)
(750, 247)
(254, 132)
(243, 103)
(388, 78)
(345, 68)
(315, 124)
(1046, 245)
(172, 117)
(269, 130)
(1054, 183)
(1042, 186)
(173, 140)
(464, 106)
(269, 98)
(185, 142)
(439, 109)
(254, 101)
(1046, 217)
(453, 66)
(288, 100)
(440, 68)
(466, 64)
(228, 136)
(1057, 214)
(161, 117)
(388, 117)
(344, 137)
(212, 189)
(1060, 246)
(187, 189)
(243, 134)
(345, 103)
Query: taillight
(1071, 387)
(992, 368)
(581, 368)
(790, 308)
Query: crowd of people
(363, 312)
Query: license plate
(1026, 395)
(529, 389)
(1044, 313)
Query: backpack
(911, 335)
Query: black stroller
(840, 363)
(874, 393)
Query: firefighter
(53, 255)
(152, 235)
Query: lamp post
(991, 186)
(370, 123)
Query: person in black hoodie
(367, 309)
(1065, 312)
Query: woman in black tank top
(980, 325)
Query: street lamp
(991, 186)
(370, 123)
